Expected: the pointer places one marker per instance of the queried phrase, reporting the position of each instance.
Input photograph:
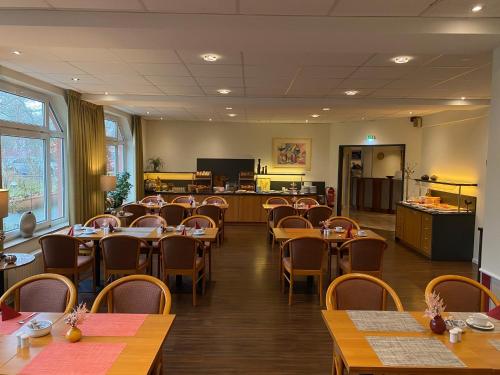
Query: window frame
(116, 142)
(16, 129)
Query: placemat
(495, 343)
(64, 358)
(464, 315)
(413, 352)
(10, 326)
(394, 321)
(112, 324)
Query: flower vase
(74, 334)
(437, 325)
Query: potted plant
(74, 319)
(123, 186)
(155, 163)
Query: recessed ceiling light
(315, 115)
(106, 93)
(229, 108)
(16, 52)
(362, 118)
(463, 98)
(401, 59)
(210, 57)
(209, 119)
(325, 109)
(75, 79)
(161, 118)
(223, 91)
(411, 113)
(307, 121)
(477, 8)
(232, 114)
(351, 92)
(147, 113)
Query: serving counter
(243, 207)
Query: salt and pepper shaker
(23, 340)
(455, 335)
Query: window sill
(13, 244)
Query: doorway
(370, 183)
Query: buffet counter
(243, 207)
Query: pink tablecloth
(10, 326)
(112, 324)
(64, 358)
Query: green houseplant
(122, 190)
(155, 163)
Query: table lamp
(108, 183)
(4, 212)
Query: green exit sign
(370, 138)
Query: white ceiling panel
(117, 79)
(161, 69)
(350, 83)
(139, 89)
(374, 72)
(326, 71)
(23, 4)
(212, 91)
(28, 54)
(265, 91)
(104, 67)
(308, 91)
(146, 55)
(482, 74)
(340, 92)
(288, 7)
(436, 73)
(204, 70)
(384, 59)
(48, 67)
(83, 54)
(225, 57)
(97, 4)
(182, 90)
(270, 71)
(264, 82)
(171, 81)
(461, 60)
(306, 58)
(220, 81)
(389, 8)
(68, 78)
(463, 8)
(191, 6)
(411, 84)
(307, 82)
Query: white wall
(373, 167)
(179, 144)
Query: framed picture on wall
(292, 153)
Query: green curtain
(87, 157)
(139, 161)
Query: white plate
(89, 231)
(199, 232)
(489, 327)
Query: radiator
(18, 274)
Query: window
(115, 147)
(31, 158)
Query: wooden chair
(179, 256)
(362, 255)
(45, 292)
(135, 294)
(344, 222)
(275, 215)
(461, 294)
(214, 199)
(277, 200)
(181, 199)
(173, 213)
(308, 201)
(305, 259)
(150, 221)
(152, 199)
(102, 220)
(295, 221)
(122, 256)
(215, 213)
(61, 255)
(203, 222)
(357, 291)
(317, 214)
(137, 210)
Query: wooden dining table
(148, 234)
(139, 354)
(187, 206)
(269, 207)
(364, 351)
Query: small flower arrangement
(77, 316)
(326, 223)
(435, 305)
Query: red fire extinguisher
(330, 197)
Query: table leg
(2, 284)
(97, 255)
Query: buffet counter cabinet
(438, 235)
(243, 207)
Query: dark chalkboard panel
(225, 167)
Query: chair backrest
(344, 222)
(366, 254)
(277, 200)
(149, 221)
(279, 212)
(178, 252)
(307, 201)
(102, 219)
(306, 253)
(214, 200)
(152, 199)
(135, 294)
(212, 211)
(461, 294)
(121, 252)
(202, 220)
(181, 199)
(45, 292)
(173, 213)
(317, 214)
(357, 291)
(295, 221)
(137, 210)
(60, 252)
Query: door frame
(340, 169)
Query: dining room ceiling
(282, 60)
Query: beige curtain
(139, 162)
(87, 157)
